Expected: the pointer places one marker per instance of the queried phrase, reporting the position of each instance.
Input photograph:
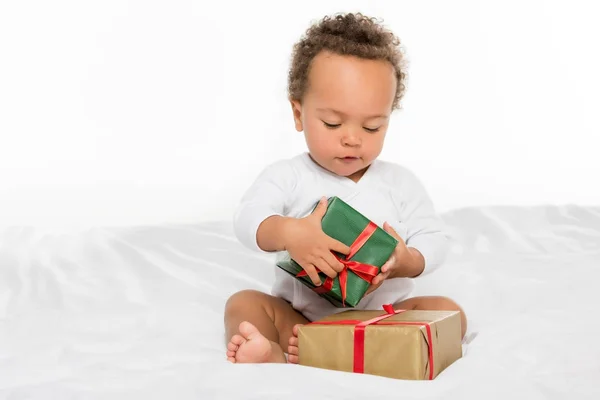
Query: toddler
(346, 78)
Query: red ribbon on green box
(364, 271)
(371, 247)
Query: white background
(140, 112)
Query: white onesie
(386, 192)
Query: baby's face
(345, 112)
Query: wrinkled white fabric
(137, 313)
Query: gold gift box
(399, 345)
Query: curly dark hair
(346, 34)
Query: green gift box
(370, 248)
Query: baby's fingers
(386, 267)
(338, 246)
(333, 262)
(326, 268)
(312, 274)
(380, 278)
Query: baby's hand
(403, 263)
(310, 247)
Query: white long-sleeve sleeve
(425, 229)
(266, 197)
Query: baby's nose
(351, 138)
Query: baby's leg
(258, 327)
(434, 303)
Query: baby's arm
(263, 206)
(425, 229)
(260, 223)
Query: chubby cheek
(320, 139)
(374, 144)
(373, 147)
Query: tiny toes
(236, 340)
(292, 359)
(230, 353)
(293, 341)
(231, 359)
(232, 346)
(293, 350)
(295, 329)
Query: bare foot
(293, 346)
(250, 346)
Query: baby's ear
(297, 111)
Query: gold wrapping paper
(394, 351)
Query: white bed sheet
(137, 313)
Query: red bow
(359, 335)
(364, 271)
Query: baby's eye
(331, 126)
(372, 130)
